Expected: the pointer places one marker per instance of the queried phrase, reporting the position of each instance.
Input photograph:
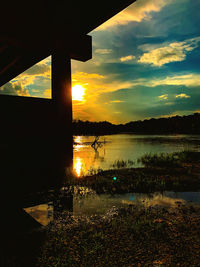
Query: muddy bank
(132, 236)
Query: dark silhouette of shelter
(31, 31)
(36, 134)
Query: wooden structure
(31, 31)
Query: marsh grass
(170, 171)
(175, 159)
(134, 235)
(123, 164)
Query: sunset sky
(145, 64)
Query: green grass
(175, 159)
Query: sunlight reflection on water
(124, 147)
(113, 148)
(77, 166)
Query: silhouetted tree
(178, 124)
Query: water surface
(113, 148)
(92, 204)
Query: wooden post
(61, 86)
(62, 101)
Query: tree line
(189, 124)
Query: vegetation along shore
(134, 235)
(172, 125)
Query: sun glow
(78, 92)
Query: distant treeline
(172, 125)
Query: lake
(118, 147)
(110, 149)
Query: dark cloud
(13, 89)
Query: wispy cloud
(138, 11)
(182, 96)
(163, 97)
(116, 101)
(103, 51)
(187, 80)
(127, 58)
(84, 76)
(96, 83)
(173, 52)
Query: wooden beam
(62, 102)
(77, 46)
(61, 84)
(27, 53)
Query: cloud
(92, 108)
(173, 52)
(95, 83)
(137, 12)
(182, 96)
(116, 101)
(38, 69)
(84, 76)
(41, 70)
(33, 82)
(35, 90)
(14, 89)
(163, 97)
(103, 51)
(47, 93)
(127, 58)
(189, 80)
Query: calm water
(111, 149)
(125, 147)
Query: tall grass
(175, 159)
(122, 164)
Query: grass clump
(170, 171)
(122, 164)
(175, 159)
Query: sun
(78, 92)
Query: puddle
(42, 213)
(91, 204)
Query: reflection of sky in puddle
(99, 204)
(42, 213)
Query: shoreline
(132, 235)
(144, 180)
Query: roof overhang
(33, 30)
